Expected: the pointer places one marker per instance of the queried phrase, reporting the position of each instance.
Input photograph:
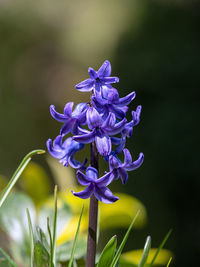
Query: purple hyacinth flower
(120, 169)
(109, 101)
(95, 186)
(71, 119)
(65, 151)
(97, 79)
(101, 131)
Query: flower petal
(85, 86)
(54, 152)
(116, 140)
(57, 116)
(83, 179)
(119, 112)
(105, 180)
(123, 174)
(104, 195)
(68, 109)
(66, 128)
(108, 80)
(118, 127)
(92, 73)
(85, 138)
(127, 156)
(105, 69)
(136, 115)
(136, 164)
(114, 162)
(92, 173)
(103, 145)
(109, 123)
(75, 164)
(124, 101)
(86, 193)
(93, 118)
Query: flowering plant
(105, 117)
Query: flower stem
(93, 212)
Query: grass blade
(17, 174)
(5, 259)
(54, 226)
(160, 247)
(147, 248)
(169, 262)
(51, 243)
(31, 238)
(75, 240)
(119, 251)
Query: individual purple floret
(110, 102)
(65, 151)
(119, 169)
(128, 128)
(101, 131)
(97, 79)
(95, 186)
(71, 119)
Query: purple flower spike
(97, 79)
(65, 151)
(71, 119)
(119, 169)
(101, 131)
(95, 186)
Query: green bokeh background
(46, 48)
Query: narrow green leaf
(31, 237)
(119, 251)
(41, 256)
(169, 262)
(108, 253)
(42, 238)
(160, 247)
(5, 260)
(145, 254)
(51, 244)
(17, 174)
(75, 240)
(54, 226)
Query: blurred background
(154, 48)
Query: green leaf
(51, 243)
(31, 238)
(54, 227)
(42, 238)
(5, 260)
(108, 253)
(147, 248)
(119, 251)
(160, 247)
(169, 262)
(75, 240)
(41, 255)
(17, 174)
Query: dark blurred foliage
(161, 62)
(157, 56)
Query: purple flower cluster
(105, 117)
